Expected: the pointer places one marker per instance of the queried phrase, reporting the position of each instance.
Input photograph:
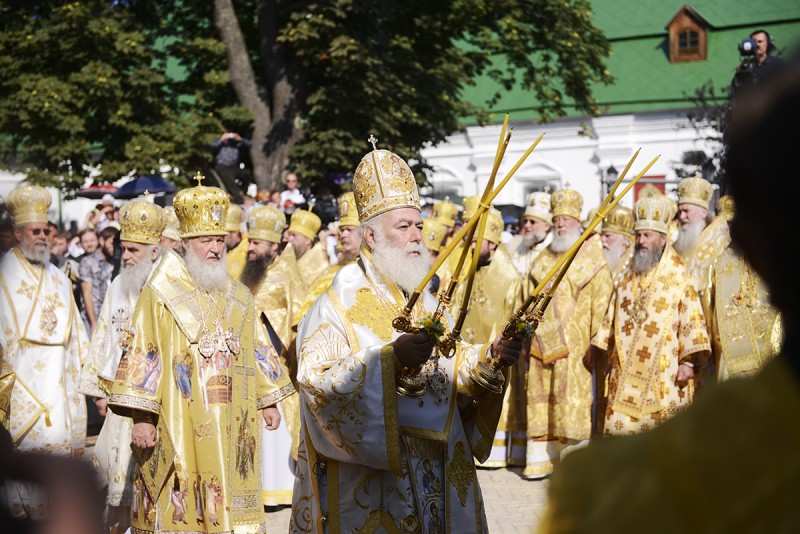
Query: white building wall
(463, 164)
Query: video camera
(746, 71)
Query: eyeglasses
(38, 231)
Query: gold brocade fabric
(198, 361)
(238, 257)
(559, 386)
(313, 264)
(645, 355)
(745, 329)
(713, 240)
(686, 476)
(495, 296)
(43, 347)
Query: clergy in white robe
(43, 341)
(141, 224)
(371, 459)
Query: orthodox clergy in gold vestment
(655, 330)
(434, 233)
(272, 287)
(141, 225)
(198, 371)
(535, 232)
(235, 240)
(43, 342)
(745, 328)
(312, 258)
(495, 295)
(171, 235)
(371, 460)
(559, 387)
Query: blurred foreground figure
(729, 463)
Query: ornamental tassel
(47, 421)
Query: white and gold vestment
(44, 343)
(371, 460)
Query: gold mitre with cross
(305, 222)
(172, 228)
(652, 213)
(266, 223)
(233, 223)
(433, 232)
(494, 227)
(567, 201)
(619, 221)
(695, 190)
(29, 204)
(141, 222)
(538, 207)
(445, 212)
(348, 213)
(383, 182)
(202, 211)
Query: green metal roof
(645, 80)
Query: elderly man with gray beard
(141, 225)
(42, 345)
(654, 329)
(560, 396)
(372, 458)
(197, 372)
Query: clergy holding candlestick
(370, 458)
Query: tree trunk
(244, 84)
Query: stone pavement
(513, 504)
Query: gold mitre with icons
(567, 201)
(305, 222)
(538, 207)
(726, 207)
(141, 222)
(29, 204)
(652, 213)
(650, 190)
(445, 212)
(348, 213)
(233, 223)
(494, 227)
(433, 233)
(172, 228)
(619, 221)
(202, 211)
(266, 223)
(383, 182)
(695, 190)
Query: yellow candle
(474, 220)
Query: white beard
(644, 260)
(35, 254)
(208, 277)
(688, 236)
(561, 243)
(528, 240)
(395, 263)
(132, 279)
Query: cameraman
(757, 64)
(229, 152)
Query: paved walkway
(513, 504)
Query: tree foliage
(137, 86)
